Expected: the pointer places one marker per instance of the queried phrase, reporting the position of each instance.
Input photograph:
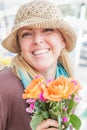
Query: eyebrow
(29, 29)
(26, 28)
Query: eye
(48, 30)
(26, 34)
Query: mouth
(40, 52)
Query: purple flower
(64, 119)
(77, 99)
(50, 80)
(30, 100)
(73, 81)
(65, 108)
(32, 106)
(30, 109)
(41, 97)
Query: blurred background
(75, 12)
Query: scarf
(60, 71)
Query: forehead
(25, 28)
(30, 28)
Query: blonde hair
(65, 62)
(19, 62)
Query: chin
(42, 68)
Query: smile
(42, 51)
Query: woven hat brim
(10, 43)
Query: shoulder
(6, 71)
(9, 82)
(7, 74)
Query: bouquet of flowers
(55, 99)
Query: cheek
(25, 47)
(60, 44)
(58, 47)
(25, 44)
(56, 44)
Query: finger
(63, 126)
(50, 122)
(47, 123)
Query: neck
(49, 73)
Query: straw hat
(39, 14)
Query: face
(40, 47)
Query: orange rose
(34, 89)
(72, 87)
(60, 88)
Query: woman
(41, 39)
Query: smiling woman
(41, 39)
(38, 44)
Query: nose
(38, 38)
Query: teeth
(38, 52)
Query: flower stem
(59, 122)
(60, 117)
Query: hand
(48, 124)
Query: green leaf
(75, 121)
(70, 106)
(45, 114)
(42, 105)
(36, 119)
